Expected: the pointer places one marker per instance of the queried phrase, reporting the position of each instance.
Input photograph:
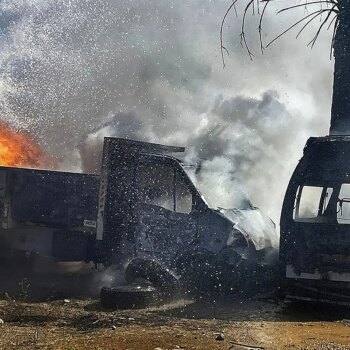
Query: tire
(161, 277)
(128, 297)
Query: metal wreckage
(315, 224)
(143, 214)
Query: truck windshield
(323, 204)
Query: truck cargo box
(47, 198)
(50, 212)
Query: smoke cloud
(75, 71)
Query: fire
(18, 149)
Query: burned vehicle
(143, 214)
(315, 224)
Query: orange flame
(17, 149)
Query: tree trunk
(340, 118)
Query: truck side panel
(49, 212)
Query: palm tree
(332, 14)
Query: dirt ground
(74, 323)
(184, 324)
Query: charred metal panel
(118, 201)
(37, 203)
(53, 199)
(215, 230)
(132, 147)
(162, 233)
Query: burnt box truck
(315, 224)
(143, 214)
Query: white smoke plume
(75, 71)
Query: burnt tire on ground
(128, 297)
(162, 278)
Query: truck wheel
(161, 277)
(128, 297)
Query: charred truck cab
(315, 224)
(150, 210)
(148, 207)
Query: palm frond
(330, 8)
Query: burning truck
(142, 214)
